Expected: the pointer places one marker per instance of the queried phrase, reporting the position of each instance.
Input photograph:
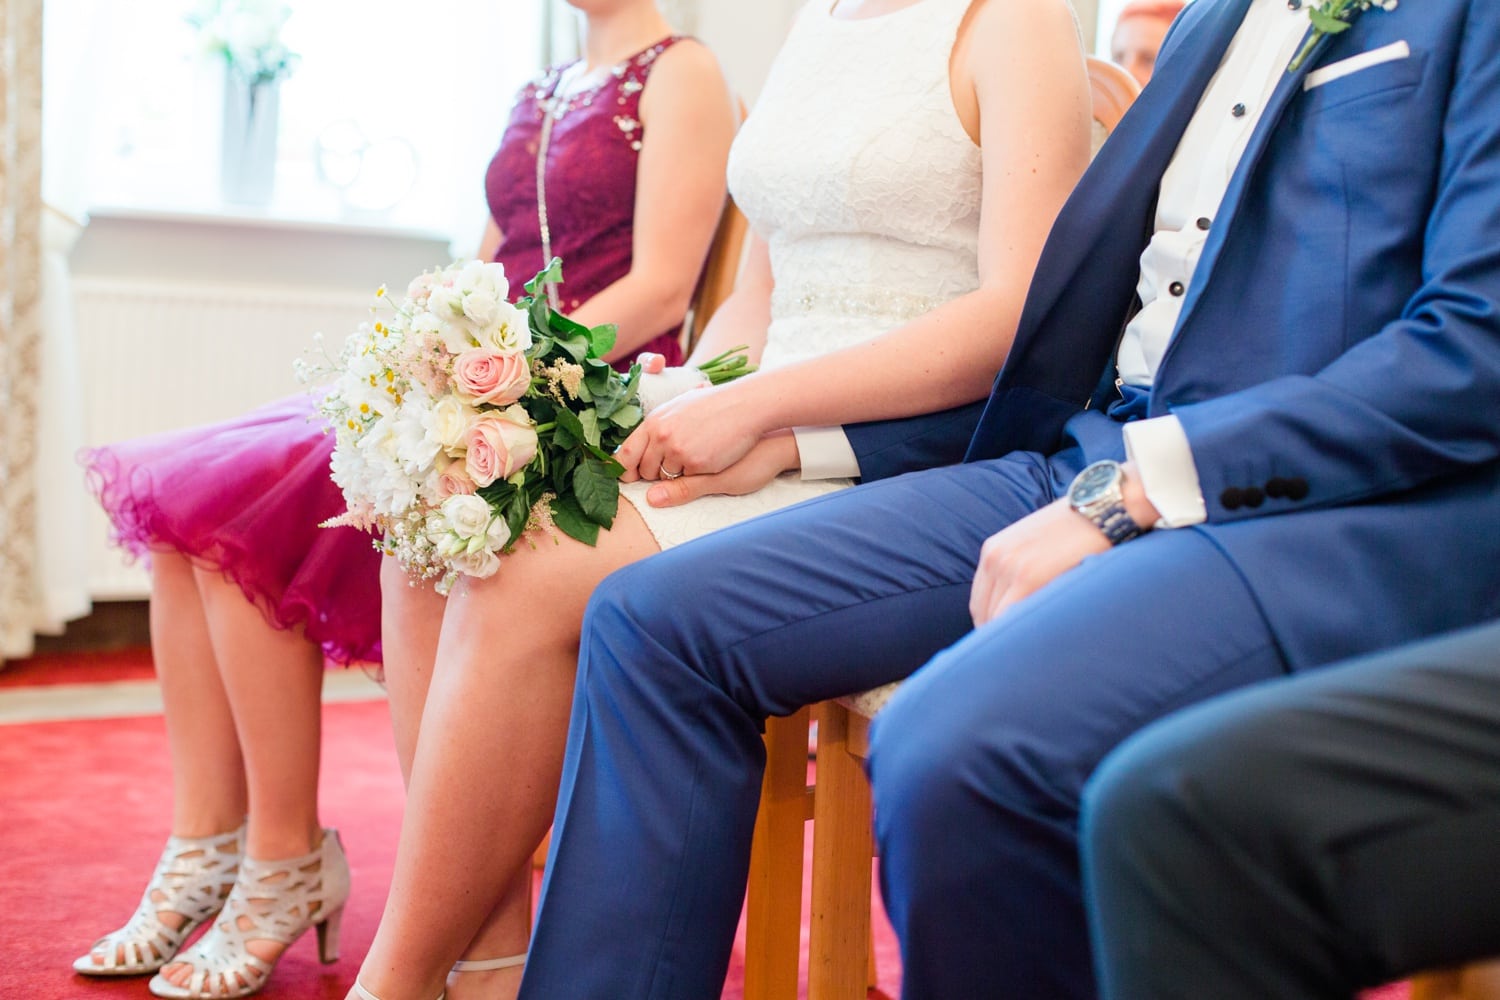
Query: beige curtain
(20, 305)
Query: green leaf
(577, 347)
(590, 421)
(602, 338)
(597, 490)
(1327, 23)
(551, 274)
(571, 521)
(626, 416)
(568, 421)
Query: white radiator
(158, 356)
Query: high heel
(365, 994)
(271, 901)
(191, 879)
(483, 965)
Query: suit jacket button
(1253, 497)
(1232, 498)
(1276, 487)
(1296, 488)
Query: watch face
(1093, 483)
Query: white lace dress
(856, 171)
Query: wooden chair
(1480, 981)
(840, 962)
(719, 272)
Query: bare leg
(489, 756)
(274, 681)
(208, 775)
(411, 618)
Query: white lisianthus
(481, 308)
(510, 332)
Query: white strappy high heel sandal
(483, 965)
(192, 878)
(271, 901)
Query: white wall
(746, 34)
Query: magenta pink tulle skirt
(246, 497)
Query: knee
(933, 773)
(631, 629)
(1177, 789)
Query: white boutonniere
(1332, 17)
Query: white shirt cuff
(1159, 450)
(825, 453)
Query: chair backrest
(1113, 91)
(719, 271)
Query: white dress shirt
(1192, 191)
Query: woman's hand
(771, 455)
(698, 433)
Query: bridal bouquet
(463, 421)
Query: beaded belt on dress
(802, 300)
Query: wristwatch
(1096, 494)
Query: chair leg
(838, 957)
(773, 931)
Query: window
(133, 108)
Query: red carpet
(82, 811)
(84, 806)
(78, 668)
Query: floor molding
(120, 699)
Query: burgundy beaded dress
(246, 496)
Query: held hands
(769, 457)
(701, 432)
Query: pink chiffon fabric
(247, 496)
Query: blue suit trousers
(977, 763)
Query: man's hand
(1042, 546)
(1028, 555)
(772, 455)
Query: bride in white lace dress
(900, 172)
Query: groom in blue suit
(1289, 456)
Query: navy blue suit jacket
(1341, 333)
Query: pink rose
(492, 377)
(453, 478)
(498, 445)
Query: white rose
(480, 565)
(448, 421)
(467, 515)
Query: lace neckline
(605, 74)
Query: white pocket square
(1344, 67)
